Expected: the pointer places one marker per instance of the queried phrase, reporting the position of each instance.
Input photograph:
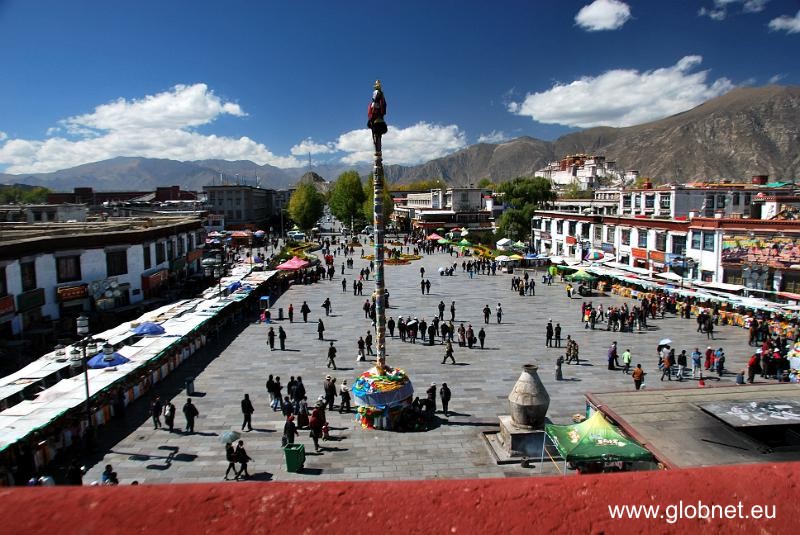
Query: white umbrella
(229, 437)
(665, 342)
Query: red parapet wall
(578, 504)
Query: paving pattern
(480, 382)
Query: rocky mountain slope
(752, 130)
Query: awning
(595, 439)
(669, 276)
(720, 286)
(626, 267)
(294, 263)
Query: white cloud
(623, 97)
(408, 146)
(157, 126)
(495, 136)
(776, 78)
(3, 136)
(786, 23)
(720, 9)
(309, 146)
(603, 15)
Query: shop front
(29, 306)
(153, 283)
(640, 258)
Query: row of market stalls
(136, 355)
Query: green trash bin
(295, 457)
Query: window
(170, 250)
(572, 226)
(637, 201)
(735, 198)
(642, 238)
(161, 255)
(189, 243)
(116, 263)
(661, 241)
(747, 199)
(598, 233)
(559, 227)
(27, 272)
(148, 261)
(697, 239)
(678, 244)
(665, 202)
(610, 234)
(547, 225)
(626, 201)
(626, 236)
(68, 268)
(708, 241)
(3, 286)
(181, 246)
(721, 201)
(650, 201)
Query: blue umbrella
(150, 328)
(103, 360)
(234, 286)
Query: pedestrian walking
(327, 306)
(320, 329)
(156, 408)
(556, 335)
(230, 456)
(344, 394)
(499, 314)
(282, 338)
(448, 353)
(247, 412)
(444, 395)
(332, 356)
(291, 313)
(626, 361)
(190, 412)
(305, 311)
(315, 423)
(548, 333)
(242, 458)
(638, 376)
(441, 310)
(271, 338)
(361, 356)
(682, 360)
(453, 311)
(481, 336)
(486, 313)
(430, 399)
(368, 343)
(289, 431)
(390, 325)
(169, 415)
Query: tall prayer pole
(376, 123)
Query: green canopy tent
(465, 243)
(518, 245)
(443, 241)
(581, 276)
(595, 440)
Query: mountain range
(748, 131)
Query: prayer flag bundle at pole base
(381, 398)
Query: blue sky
(271, 81)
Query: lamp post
(78, 359)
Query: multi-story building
(43, 213)
(447, 208)
(241, 205)
(55, 271)
(724, 199)
(586, 172)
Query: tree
(306, 205)
(347, 197)
(486, 183)
(574, 191)
(522, 196)
(368, 207)
(420, 185)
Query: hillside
(751, 130)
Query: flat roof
(675, 427)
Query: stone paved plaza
(480, 382)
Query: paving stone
(480, 383)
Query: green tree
(347, 197)
(486, 183)
(306, 205)
(367, 206)
(420, 185)
(574, 191)
(522, 196)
